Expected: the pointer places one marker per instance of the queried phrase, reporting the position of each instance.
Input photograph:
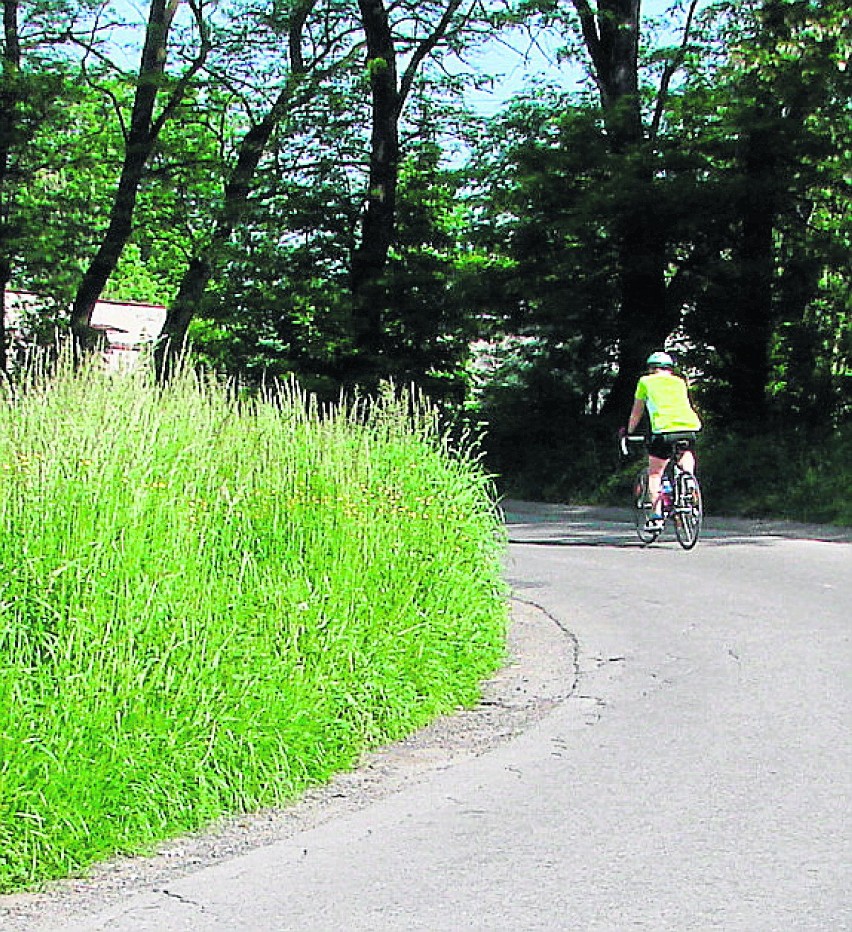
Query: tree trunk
(141, 137)
(611, 36)
(389, 91)
(768, 160)
(612, 40)
(369, 260)
(202, 266)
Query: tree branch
(179, 92)
(669, 72)
(424, 49)
(591, 36)
(294, 36)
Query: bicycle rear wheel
(689, 510)
(642, 508)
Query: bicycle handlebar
(627, 439)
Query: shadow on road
(553, 525)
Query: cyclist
(665, 396)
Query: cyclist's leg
(656, 467)
(687, 461)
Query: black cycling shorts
(660, 445)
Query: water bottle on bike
(666, 495)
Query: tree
(585, 202)
(9, 94)
(646, 317)
(142, 133)
(337, 130)
(31, 74)
(238, 186)
(411, 33)
(546, 205)
(545, 202)
(283, 303)
(770, 122)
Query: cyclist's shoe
(654, 523)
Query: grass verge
(209, 603)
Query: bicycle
(683, 504)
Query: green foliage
(67, 179)
(286, 306)
(546, 208)
(797, 476)
(45, 220)
(283, 307)
(429, 325)
(519, 246)
(209, 603)
(763, 135)
(539, 438)
(376, 66)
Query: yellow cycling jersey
(667, 399)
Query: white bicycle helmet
(661, 360)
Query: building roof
(127, 323)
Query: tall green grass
(209, 603)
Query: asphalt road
(695, 776)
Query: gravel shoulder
(541, 672)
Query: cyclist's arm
(635, 415)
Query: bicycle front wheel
(689, 510)
(642, 508)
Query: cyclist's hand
(622, 433)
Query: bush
(778, 475)
(209, 603)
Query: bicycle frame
(685, 505)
